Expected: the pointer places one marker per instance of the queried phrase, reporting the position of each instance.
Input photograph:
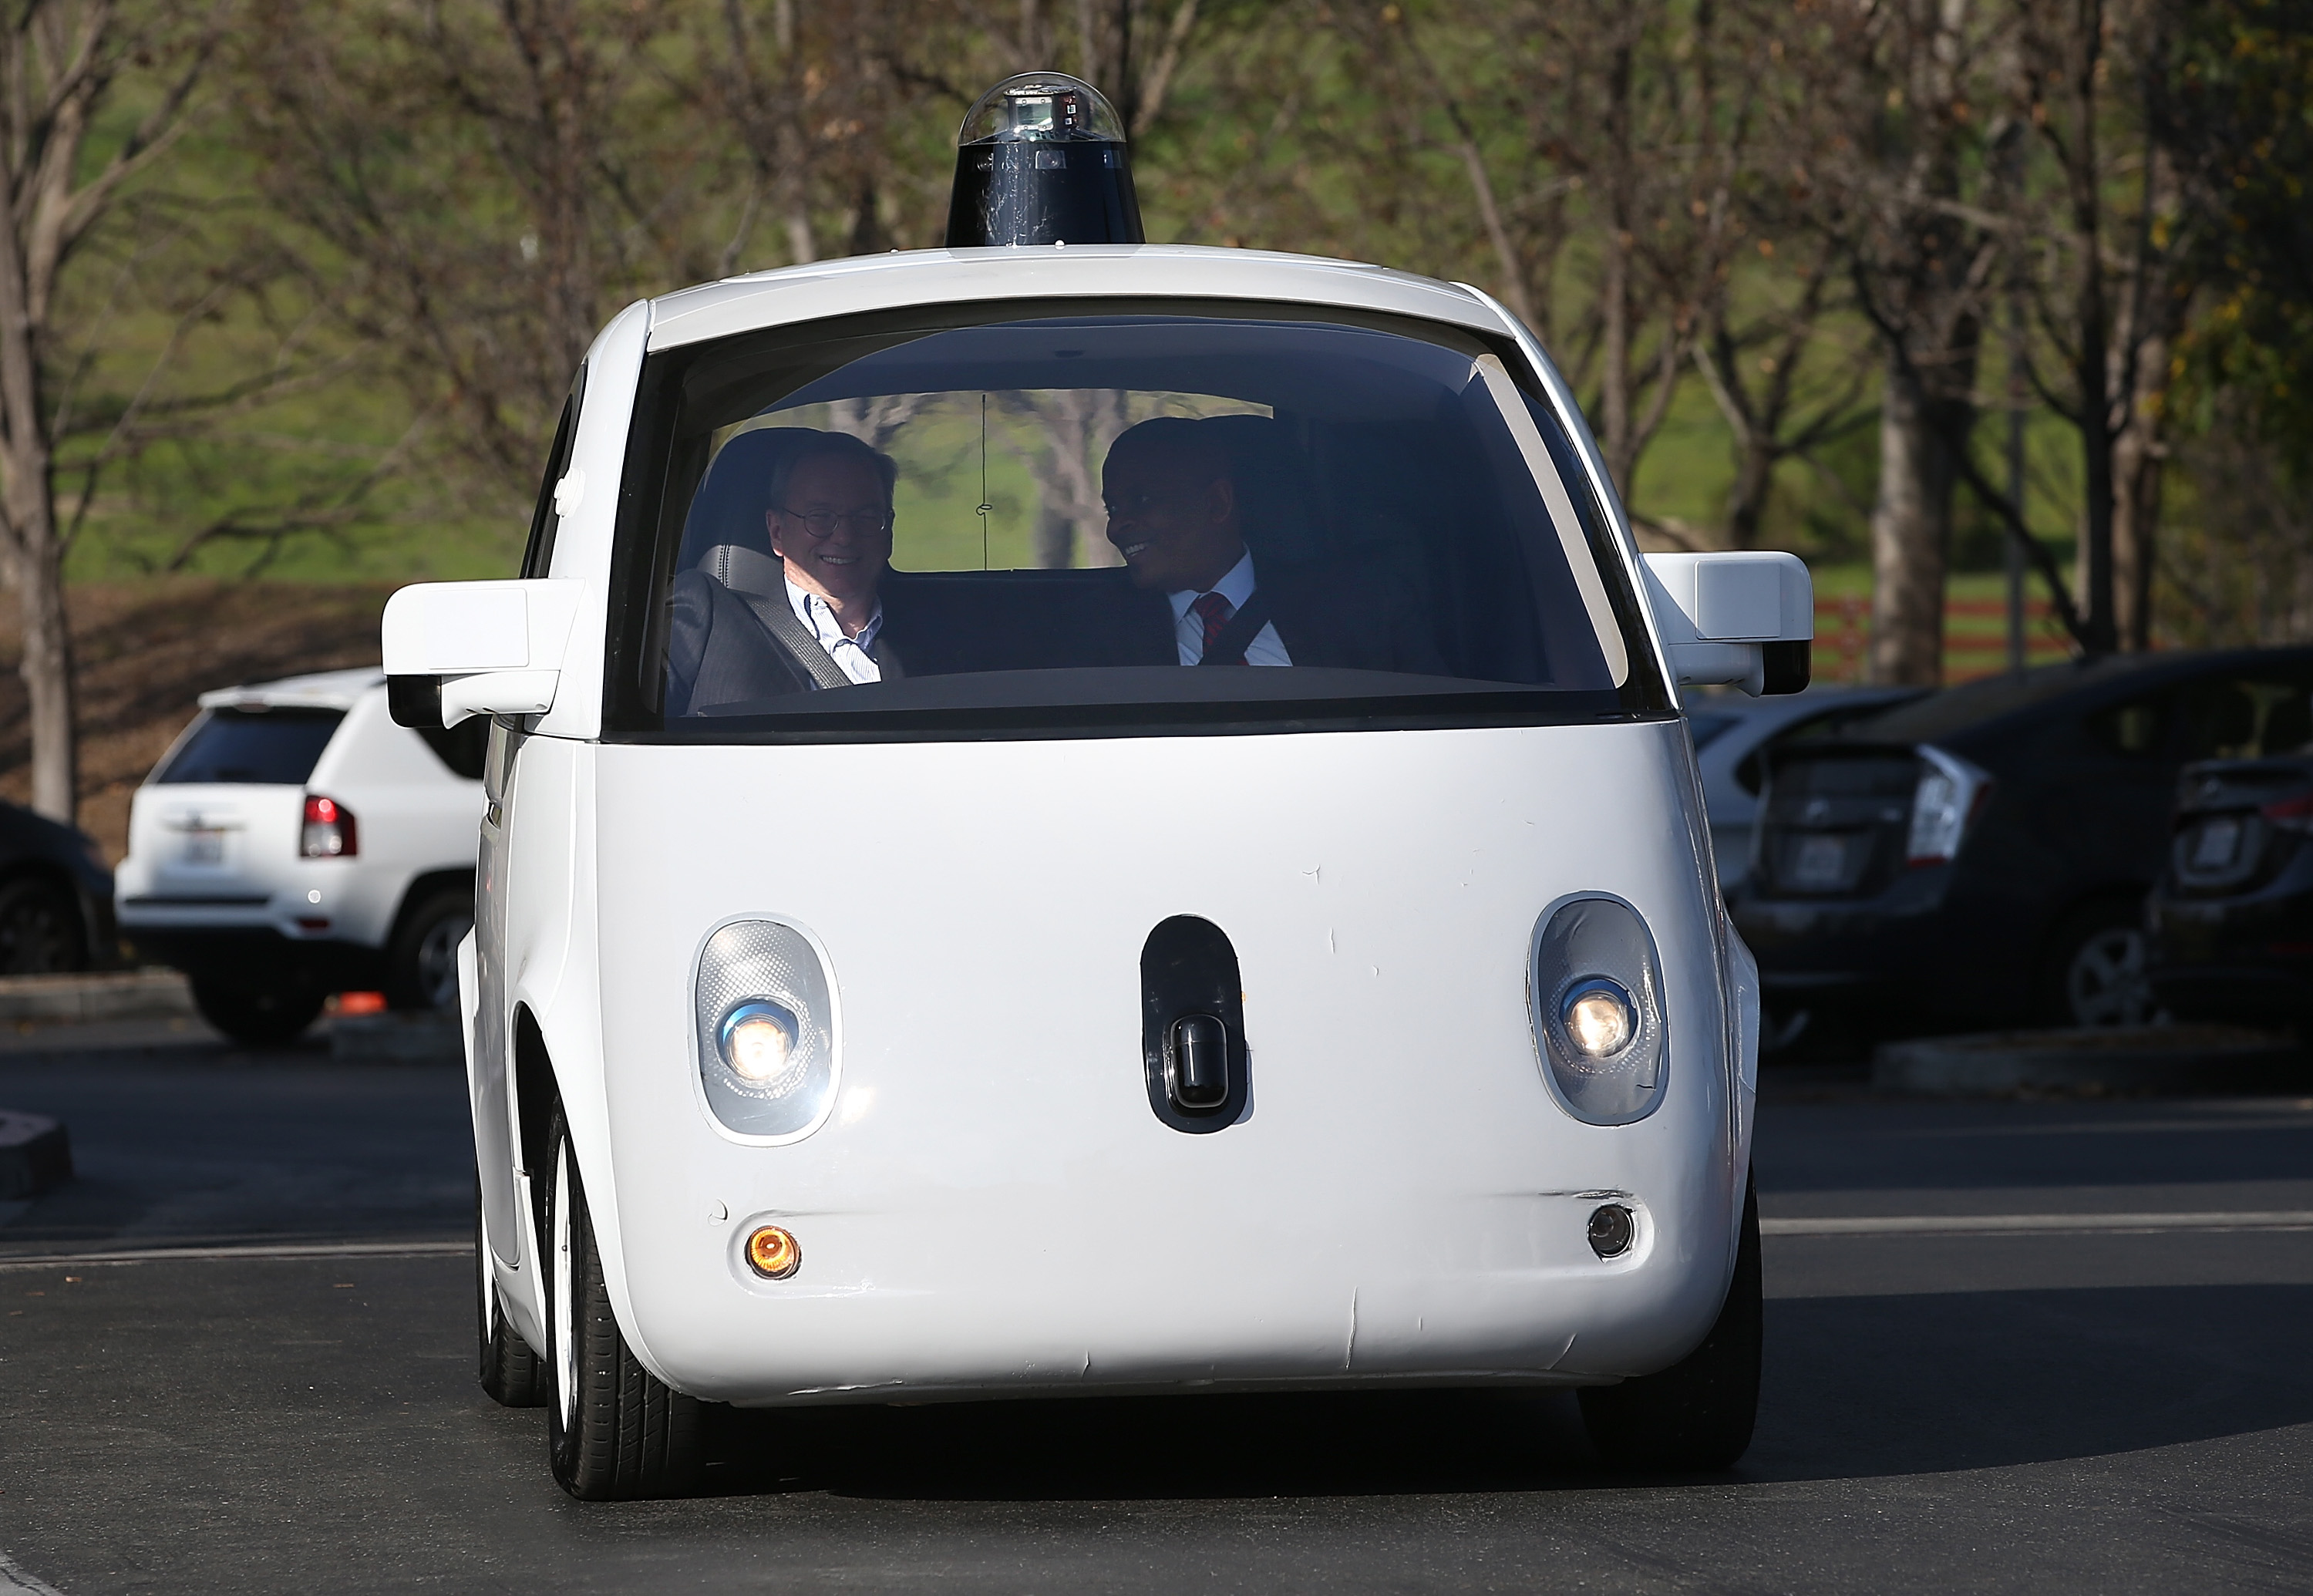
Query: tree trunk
(48, 673)
(28, 497)
(37, 569)
(1911, 527)
(2138, 455)
(1614, 288)
(1746, 500)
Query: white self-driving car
(294, 842)
(929, 949)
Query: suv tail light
(1944, 803)
(328, 831)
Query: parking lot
(2045, 1345)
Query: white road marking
(251, 1250)
(1964, 1224)
(16, 1582)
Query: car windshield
(1008, 520)
(277, 747)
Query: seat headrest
(1272, 485)
(728, 509)
(745, 571)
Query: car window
(1034, 495)
(1706, 729)
(275, 747)
(462, 747)
(538, 553)
(2247, 716)
(2137, 730)
(1750, 775)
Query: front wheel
(1697, 1415)
(614, 1430)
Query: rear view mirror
(1744, 617)
(457, 649)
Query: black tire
(421, 962)
(1696, 1416)
(511, 1373)
(256, 1016)
(614, 1431)
(40, 931)
(2093, 972)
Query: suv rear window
(271, 748)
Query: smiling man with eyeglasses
(831, 526)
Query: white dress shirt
(851, 653)
(1189, 627)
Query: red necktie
(1214, 611)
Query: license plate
(204, 847)
(2217, 843)
(1821, 863)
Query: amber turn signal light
(773, 1253)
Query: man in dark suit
(796, 606)
(1177, 501)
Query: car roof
(323, 690)
(1990, 698)
(947, 277)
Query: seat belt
(781, 622)
(1238, 633)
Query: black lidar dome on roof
(1042, 160)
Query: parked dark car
(1980, 857)
(2230, 921)
(56, 896)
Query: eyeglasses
(1131, 506)
(825, 523)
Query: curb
(390, 1038)
(35, 1154)
(2123, 1059)
(113, 994)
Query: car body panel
(971, 1180)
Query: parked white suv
(294, 842)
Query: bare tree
(1760, 373)
(64, 162)
(2111, 245)
(480, 187)
(1897, 94)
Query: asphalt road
(2087, 1403)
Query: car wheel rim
(2105, 984)
(566, 1349)
(437, 960)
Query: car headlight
(767, 1057)
(1596, 995)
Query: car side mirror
(457, 649)
(1742, 618)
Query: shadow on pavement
(1856, 1387)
